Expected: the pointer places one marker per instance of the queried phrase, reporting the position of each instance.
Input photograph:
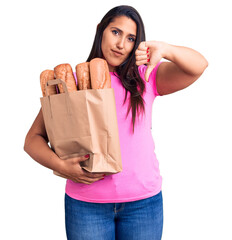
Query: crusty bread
(94, 74)
(65, 73)
(83, 76)
(44, 77)
(99, 74)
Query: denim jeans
(137, 220)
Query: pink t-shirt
(140, 177)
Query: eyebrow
(122, 31)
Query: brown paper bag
(83, 122)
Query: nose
(120, 43)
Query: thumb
(148, 71)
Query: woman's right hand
(71, 169)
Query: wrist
(57, 163)
(166, 51)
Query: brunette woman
(127, 205)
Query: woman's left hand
(150, 53)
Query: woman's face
(118, 40)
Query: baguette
(44, 77)
(83, 76)
(65, 73)
(99, 74)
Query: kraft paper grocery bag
(83, 122)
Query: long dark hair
(128, 70)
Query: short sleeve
(152, 77)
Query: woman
(126, 205)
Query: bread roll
(83, 76)
(65, 73)
(99, 74)
(44, 77)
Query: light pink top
(140, 177)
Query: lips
(117, 53)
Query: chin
(112, 65)
(115, 63)
(112, 62)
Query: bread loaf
(44, 77)
(94, 74)
(99, 74)
(65, 73)
(83, 76)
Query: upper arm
(170, 78)
(37, 128)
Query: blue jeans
(137, 220)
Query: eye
(115, 32)
(131, 39)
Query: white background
(191, 128)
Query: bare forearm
(38, 149)
(189, 60)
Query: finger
(140, 52)
(91, 180)
(82, 180)
(85, 182)
(94, 177)
(142, 46)
(91, 175)
(78, 159)
(142, 57)
(83, 158)
(141, 62)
